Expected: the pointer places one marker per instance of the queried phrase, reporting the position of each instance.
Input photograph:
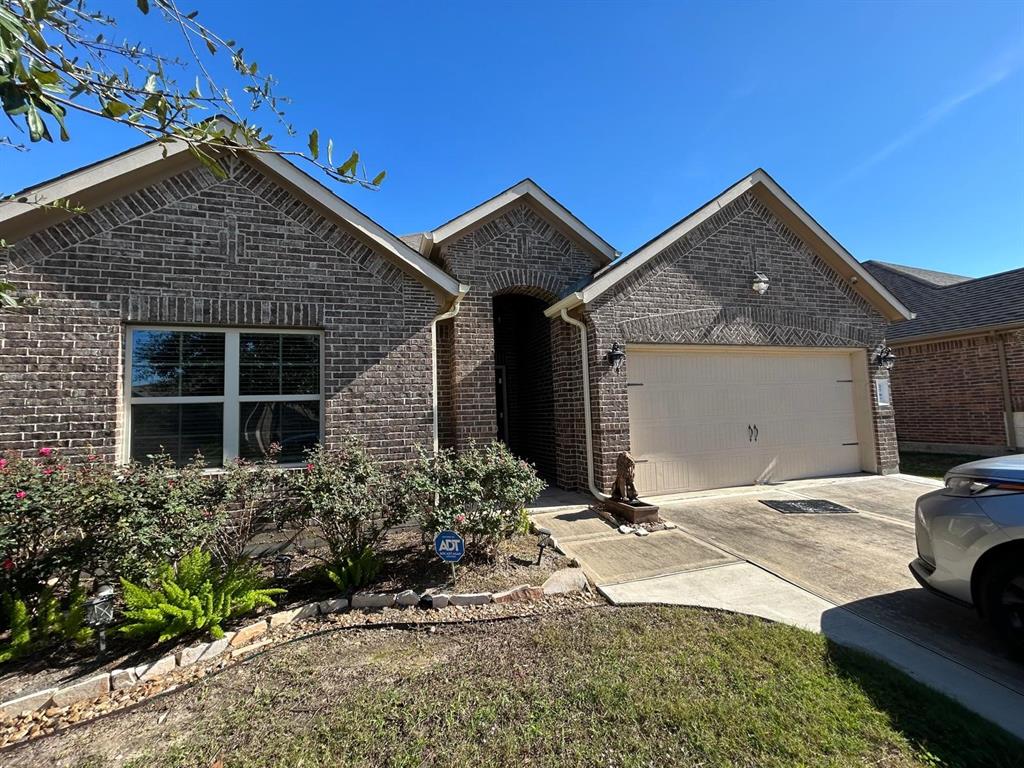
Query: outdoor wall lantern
(617, 357)
(282, 566)
(760, 285)
(99, 612)
(885, 358)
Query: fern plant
(354, 570)
(192, 597)
(48, 622)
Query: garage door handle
(750, 434)
(755, 433)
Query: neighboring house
(196, 313)
(958, 379)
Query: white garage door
(713, 418)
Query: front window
(222, 393)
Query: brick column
(473, 353)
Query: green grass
(616, 687)
(932, 464)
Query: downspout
(587, 424)
(452, 312)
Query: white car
(970, 542)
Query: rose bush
(479, 492)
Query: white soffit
(525, 188)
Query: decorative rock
(439, 601)
(566, 580)
(90, 688)
(524, 593)
(30, 702)
(123, 678)
(332, 606)
(281, 618)
(156, 668)
(669, 525)
(203, 652)
(656, 527)
(248, 650)
(248, 633)
(473, 598)
(642, 532)
(407, 598)
(625, 529)
(372, 600)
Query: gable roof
(527, 189)
(952, 307)
(779, 201)
(102, 180)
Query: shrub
(254, 494)
(191, 597)
(480, 493)
(50, 622)
(347, 499)
(354, 570)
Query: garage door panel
(691, 413)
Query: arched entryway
(524, 387)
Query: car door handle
(750, 434)
(755, 433)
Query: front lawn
(603, 686)
(932, 464)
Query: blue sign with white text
(449, 546)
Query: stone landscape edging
(246, 640)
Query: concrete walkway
(677, 567)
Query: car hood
(1007, 468)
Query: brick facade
(515, 252)
(195, 250)
(949, 392)
(698, 291)
(245, 252)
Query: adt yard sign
(449, 546)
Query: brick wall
(950, 391)
(193, 249)
(517, 251)
(698, 291)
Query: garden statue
(624, 501)
(625, 472)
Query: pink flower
(3, 463)
(309, 467)
(460, 518)
(20, 495)
(45, 451)
(92, 457)
(48, 471)
(8, 564)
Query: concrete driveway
(841, 574)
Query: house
(188, 312)
(958, 381)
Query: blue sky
(900, 127)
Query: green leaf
(349, 166)
(314, 144)
(150, 86)
(379, 178)
(115, 108)
(143, 5)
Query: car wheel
(1002, 595)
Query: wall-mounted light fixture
(760, 285)
(617, 357)
(885, 358)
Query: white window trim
(231, 388)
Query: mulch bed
(409, 565)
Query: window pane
(279, 364)
(293, 426)
(180, 431)
(173, 363)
